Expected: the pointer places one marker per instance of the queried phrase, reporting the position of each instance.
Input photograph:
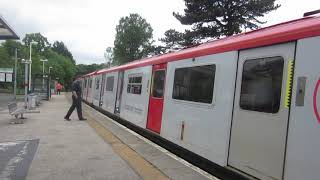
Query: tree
(5, 60)
(172, 39)
(11, 46)
(175, 40)
(133, 39)
(83, 69)
(108, 56)
(216, 18)
(62, 67)
(60, 48)
(42, 42)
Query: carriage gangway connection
(48, 147)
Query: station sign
(6, 74)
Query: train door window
(158, 83)
(261, 84)
(194, 84)
(97, 83)
(90, 84)
(109, 84)
(85, 83)
(134, 84)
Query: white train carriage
(84, 87)
(108, 97)
(96, 90)
(91, 89)
(135, 95)
(249, 103)
(87, 88)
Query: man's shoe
(67, 119)
(82, 119)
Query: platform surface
(48, 147)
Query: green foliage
(11, 46)
(83, 69)
(175, 40)
(5, 59)
(133, 39)
(108, 55)
(60, 48)
(63, 69)
(42, 42)
(217, 18)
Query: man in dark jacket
(76, 101)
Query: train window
(194, 83)
(85, 83)
(134, 85)
(110, 82)
(261, 84)
(90, 84)
(158, 83)
(97, 83)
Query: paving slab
(67, 150)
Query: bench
(14, 110)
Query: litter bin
(38, 99)
(32, 98)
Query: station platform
(48, 147)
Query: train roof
(279, 33)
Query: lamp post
(15, 74)
(32, 42)
(43, 61)
(50, 68)
(50, 81)
(26, 62)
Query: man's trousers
(76, 103)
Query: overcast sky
(87, 27)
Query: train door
(88, 88)
(119, 92)
(102, 90)
(97, 88)
(83, 95)
(156, 98)
(261, 110)
(91, 89)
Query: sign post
(15, 74)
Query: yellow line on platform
(139, 164)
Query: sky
(87, 27)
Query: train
(247, 103)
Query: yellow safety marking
(138, 163)
(287, 100)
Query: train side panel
(303, 145)
(110, 92)
(90, 89)
(84, 88)
(201, 127)
(96, 90)
(135, 95)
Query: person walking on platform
(76, 101)
(58, 88)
